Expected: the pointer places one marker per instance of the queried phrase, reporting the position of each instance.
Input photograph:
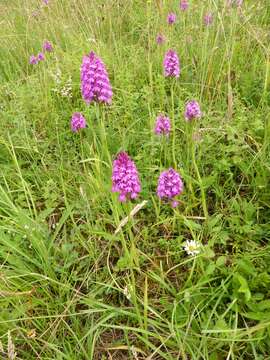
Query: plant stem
(203, 197)
(173, 129)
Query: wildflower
(57, 76)
(95, 83)
(171, 18)
(47, 46)
(171, 64)
(31, 334)
(46, 2)
(160, 39)
(134, 352)
(238, 3)
(193, 110)
(127, 293)
(35, 13)
(62, 87)
(125, 179)
(66, 90)
(192, 247)
(170, 185)
(184, 5)
(33, 60)
(40, 56)
(208, 19)
(77, 122)
(163, 125)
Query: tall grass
(72, 287)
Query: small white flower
(127, 293)
(92, 40)
(134, 352)
(192, 247)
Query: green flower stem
(173, 128)
(203, 197)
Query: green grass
(71, 287)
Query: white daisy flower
(192, 247)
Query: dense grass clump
(179, 268)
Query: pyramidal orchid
(47, 46)
(169, 186)
(184, 5)
(171, 18)
(95, 83)
(125, 178)
(33, 60)
(171, 64)
(193, 110)
(163, 125)
(208, 19)
(160, 39)
(77, 122)
(40, 56)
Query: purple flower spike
(125, 179)
(41, 56)
(33, 60)
(184, 5)
(47, 46)
(171, 18)
(77, 122)
(95, 83)
(193, 110)
(46, 2)
(171, 64)
(160, 39)
(208, 19)
(163, 125)
(170, 185)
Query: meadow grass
(75, 281)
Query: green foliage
(72, 287)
